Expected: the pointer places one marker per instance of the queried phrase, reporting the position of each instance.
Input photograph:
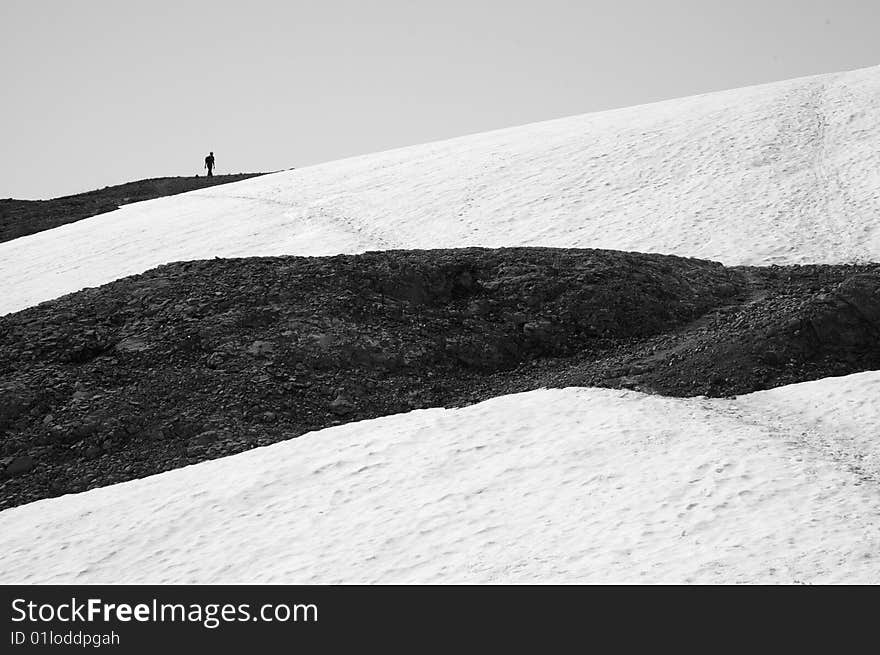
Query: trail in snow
(565, 486)
(773, 174)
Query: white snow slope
(566, 486)
(780, 173)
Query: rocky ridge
(196, 360)
(19, 218)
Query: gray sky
(98, 92)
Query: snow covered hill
(779, 173)
(566, 486)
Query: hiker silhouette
(209, 164)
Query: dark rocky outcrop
(196, 360)
(808, 322)
(19, 218)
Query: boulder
(20, 465)
(342, 405)
(261, 348)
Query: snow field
(551, 486)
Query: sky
(100, 92)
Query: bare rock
(20, 465)
(261, 348)
(342, 405)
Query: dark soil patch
(197, 360)
(19, 218)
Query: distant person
(209, 164)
